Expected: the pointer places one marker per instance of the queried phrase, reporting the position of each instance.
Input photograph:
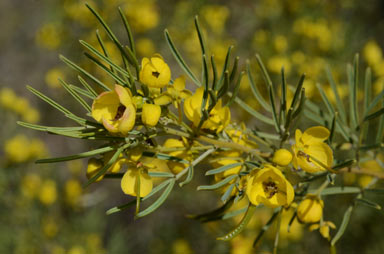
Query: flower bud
(151, 114)
(282, 157)
(310, 209)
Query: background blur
(44, 208)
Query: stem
(195, 162)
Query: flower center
(270, 189)
(155, 74)
(120, 112)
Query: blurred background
(45, 209)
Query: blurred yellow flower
(280, 43)
(73, 192)
(219, 117)
(30, 185)
(30, 115)
(311, 154)
(282, 157)
(49, 36)
(48, 192)
(215, 16)
(151, 114)
(372, 53)
(7, 97)
(52, 76)
(77, 249)
(275, 63)
(145, 47)
(154, 72)
(269, 186)
(49, 226)
(142, 15)
(310, 210)
(115, 110)
(16, 149)
(181, 246)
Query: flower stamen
(119, 113)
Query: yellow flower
(30, 115)
(175, 93)
(49, 226)
(154, 72)
(181, 246)
(48, 193)
(177, 167)
(269, 187)
(310, 210)
(323, 228)
(115, 110)
(282, 157)
(49, 36)
(150, 114)
(219, 116)
(310, 152)
(142, 15)
(132, 177)
(94, 165)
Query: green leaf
(225, 68)
(228, 192)
(223, 168)
(368, 203)
(274, 112)
(374, 115)
(215, 214)
(159, 201)
(374, 102)
(283, 103)
(49, 101)
(106, 69)
(163, 156)
(255, 91)
(215, 74)
(236, 90)
(340, 190)
(78, 156)
(189, 177)
(264, 71)
(84, 72)
(128, 30)
(104, 58)
(380, 129)
(367, 89)
(234, 213)
(201, 37)
(179, 59)
(160, 174)
(224, 88)
(82, 92)
(218, 184)
(343, 226)
(252, 112)
(339, 102)
(76, 96)
(243, 223)
(234, 70)
(344, 164)
(87, 86)
(352, 96)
